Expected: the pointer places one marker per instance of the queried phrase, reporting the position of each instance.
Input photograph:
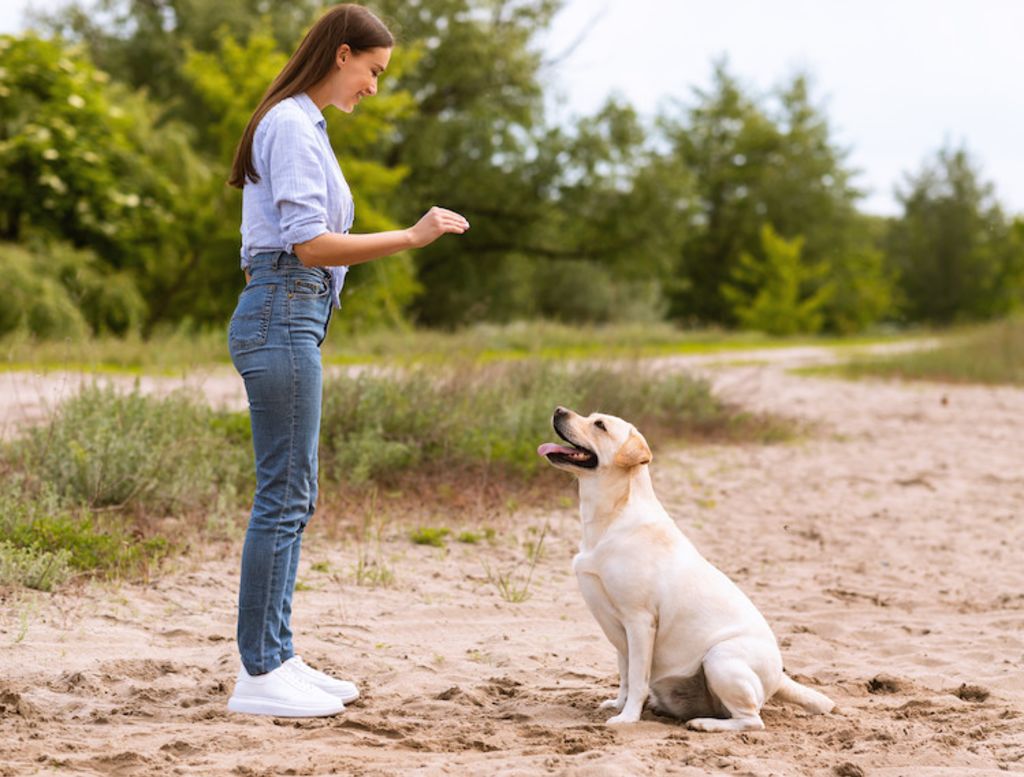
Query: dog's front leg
(640, 631)
(617, 704)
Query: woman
(296, 213)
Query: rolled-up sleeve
(298, 181)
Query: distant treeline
(119, 119)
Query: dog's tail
(812, 701)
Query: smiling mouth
(576, 455)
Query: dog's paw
(622, 719)
(726, 724)
(611, 704)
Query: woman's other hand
(436, 222)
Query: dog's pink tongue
(550, 447)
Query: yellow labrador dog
(688, 639)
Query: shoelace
(299, 664)
(301, 681)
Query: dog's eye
(600, 425)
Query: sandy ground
(886, 549)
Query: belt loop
(276, 261)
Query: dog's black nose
(560, 411)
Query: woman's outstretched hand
(436, 222)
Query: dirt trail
(886, 549)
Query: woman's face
(357, 75)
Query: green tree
(466, 146)
(755, 161)
(145, 44)
(467, 133)
(953, 248)
(84, 161)
(862, 290)
(770, 294)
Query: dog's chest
(588, 576)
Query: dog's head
(598, 442)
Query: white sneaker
(341, 689)
(282, 693)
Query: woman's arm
(333, 248)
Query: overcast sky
(897, 78)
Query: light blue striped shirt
(302, 192)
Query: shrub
(34, 300)
(109, 301)
(103, 448)
(57, 291)
(377, 426)
(43, 542)
(770, 294)
(32, 568)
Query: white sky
(897, 78)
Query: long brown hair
(312, 61)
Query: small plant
(33, 568)
(469, 537)
(513, 588)
(371, 569)
(320, 566)
(372, 572)
(430, 535)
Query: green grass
(169, 353)
(435, 536)
(32, 568)
(174, 352)
(990, 354)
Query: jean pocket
(250, 323)
(309, 286)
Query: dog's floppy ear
(634, 452)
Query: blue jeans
(274, 338)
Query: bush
(492, 417)
(56, 291)
(42, 543)
(582, 291)
(103, 448)
(32, 568)
(109, 301)
(34, 300)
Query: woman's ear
(344, 50)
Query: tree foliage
(954, 249)
(756, 161)
(117, 133)
(770, 293)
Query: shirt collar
(305, 102)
